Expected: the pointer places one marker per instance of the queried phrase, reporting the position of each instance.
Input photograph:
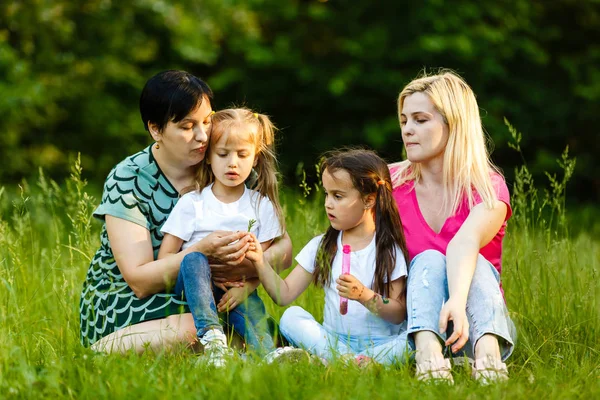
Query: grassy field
(47, 238)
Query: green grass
(47, 238)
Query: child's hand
(255, 252)
(232, 298)
(350, 287)
(224, 286)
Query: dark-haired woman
(126, 301)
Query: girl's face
(232, 156)
(345, 206)
(185, 142)
(424, 132)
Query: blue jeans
(301, 329)
(427, 291)
(249, 319)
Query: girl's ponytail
(267, 181)
(389, 234)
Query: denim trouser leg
(427, 292)
(194, 281)
(301, 329)
(486, 310)
(251, 321)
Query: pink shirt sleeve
(502, 193)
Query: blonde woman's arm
(477, 231)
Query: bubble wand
(345, 270)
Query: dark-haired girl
(363, 215)
(127, 301)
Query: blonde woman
(454, 205)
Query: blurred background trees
(328, 72)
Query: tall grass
(47, 238)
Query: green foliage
(72, 72)
(532, 213)
(327, 71)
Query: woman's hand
(226, 247)
(232, 275)
(350, 287)
(456, 312)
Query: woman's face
(424, 132)
(185, 142)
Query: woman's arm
(477, 231)
(279, 255)
(132, 248)
(392, 310)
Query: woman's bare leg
(157, 335)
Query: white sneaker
(287, 354)
(216, 351)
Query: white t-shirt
(198, 214)
(358, 321)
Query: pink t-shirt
(420, 237)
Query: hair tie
(212, 113)
(255, 115)
(380, 182)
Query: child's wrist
(260, 264)
(365, 295)
(372, 304)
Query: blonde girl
(240, 141)
(454, 205)
(362, 213)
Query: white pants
(301, 329)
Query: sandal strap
(489, 370)
(435, 370)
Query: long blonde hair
(466, 164)
(263, 138)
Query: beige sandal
(436, 371)
(489, 370)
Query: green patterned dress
(136, 190)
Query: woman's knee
(485, 269)
(182, 328)
(428, 263)
(430, 258)
(485, 284)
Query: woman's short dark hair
(170, 96)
